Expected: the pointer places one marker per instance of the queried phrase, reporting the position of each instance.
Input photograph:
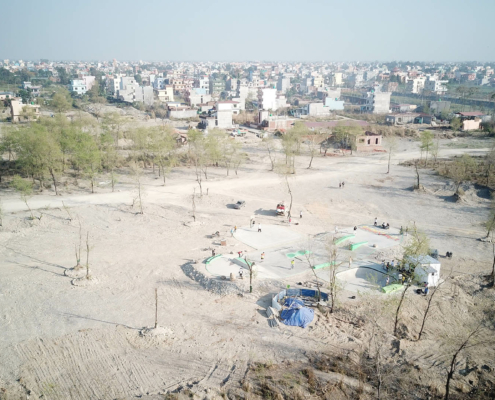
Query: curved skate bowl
(362, 279)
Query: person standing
(343, 184)
(290, 220)
(340, 185)
(262, 256)
(235, 228)
(213, 252)
(259, 227)
(232, 232)
(300, 214)
(292, 264)
(426, 290)
(350, 261)
(376, 221)
(388, 280)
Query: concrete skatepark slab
(276, 265)
(381, 238)
(270, 236)
(362, 279)
(281, 245)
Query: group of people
(341, 185)
(383, 225)
(388, 266)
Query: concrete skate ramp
(362, 279)
(343, 239)
(354, 246)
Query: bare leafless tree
(333, 284)
(156, 307)
(269, 144)
(472, 339)
(193, 199)
(87, 256)
(391, 142)
(309, 255)
(429, 306)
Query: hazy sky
(285, 30)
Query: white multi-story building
(267, 99)
(166, 94)
(78, 86)
(225, 110)
(377, 102)
(435, 85)
(113, 84)
(415, 85)
(202, 83)
(130, 91)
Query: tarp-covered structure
(296, 314)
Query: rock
(463, 388)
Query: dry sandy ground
(63, 341)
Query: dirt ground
(61, 341)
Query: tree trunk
(389, 158)
(450, 374)
(310, 161)
(54, 181)
(397, 312)
(140, 201)
(493, 266)
(87, 255)
(156, 307)
(112, 179)
(417, 174)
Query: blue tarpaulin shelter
(296, 314)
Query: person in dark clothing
(426, 290)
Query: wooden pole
(156, 307)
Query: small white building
(427, 269)
(78, 86)
(81, 86)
